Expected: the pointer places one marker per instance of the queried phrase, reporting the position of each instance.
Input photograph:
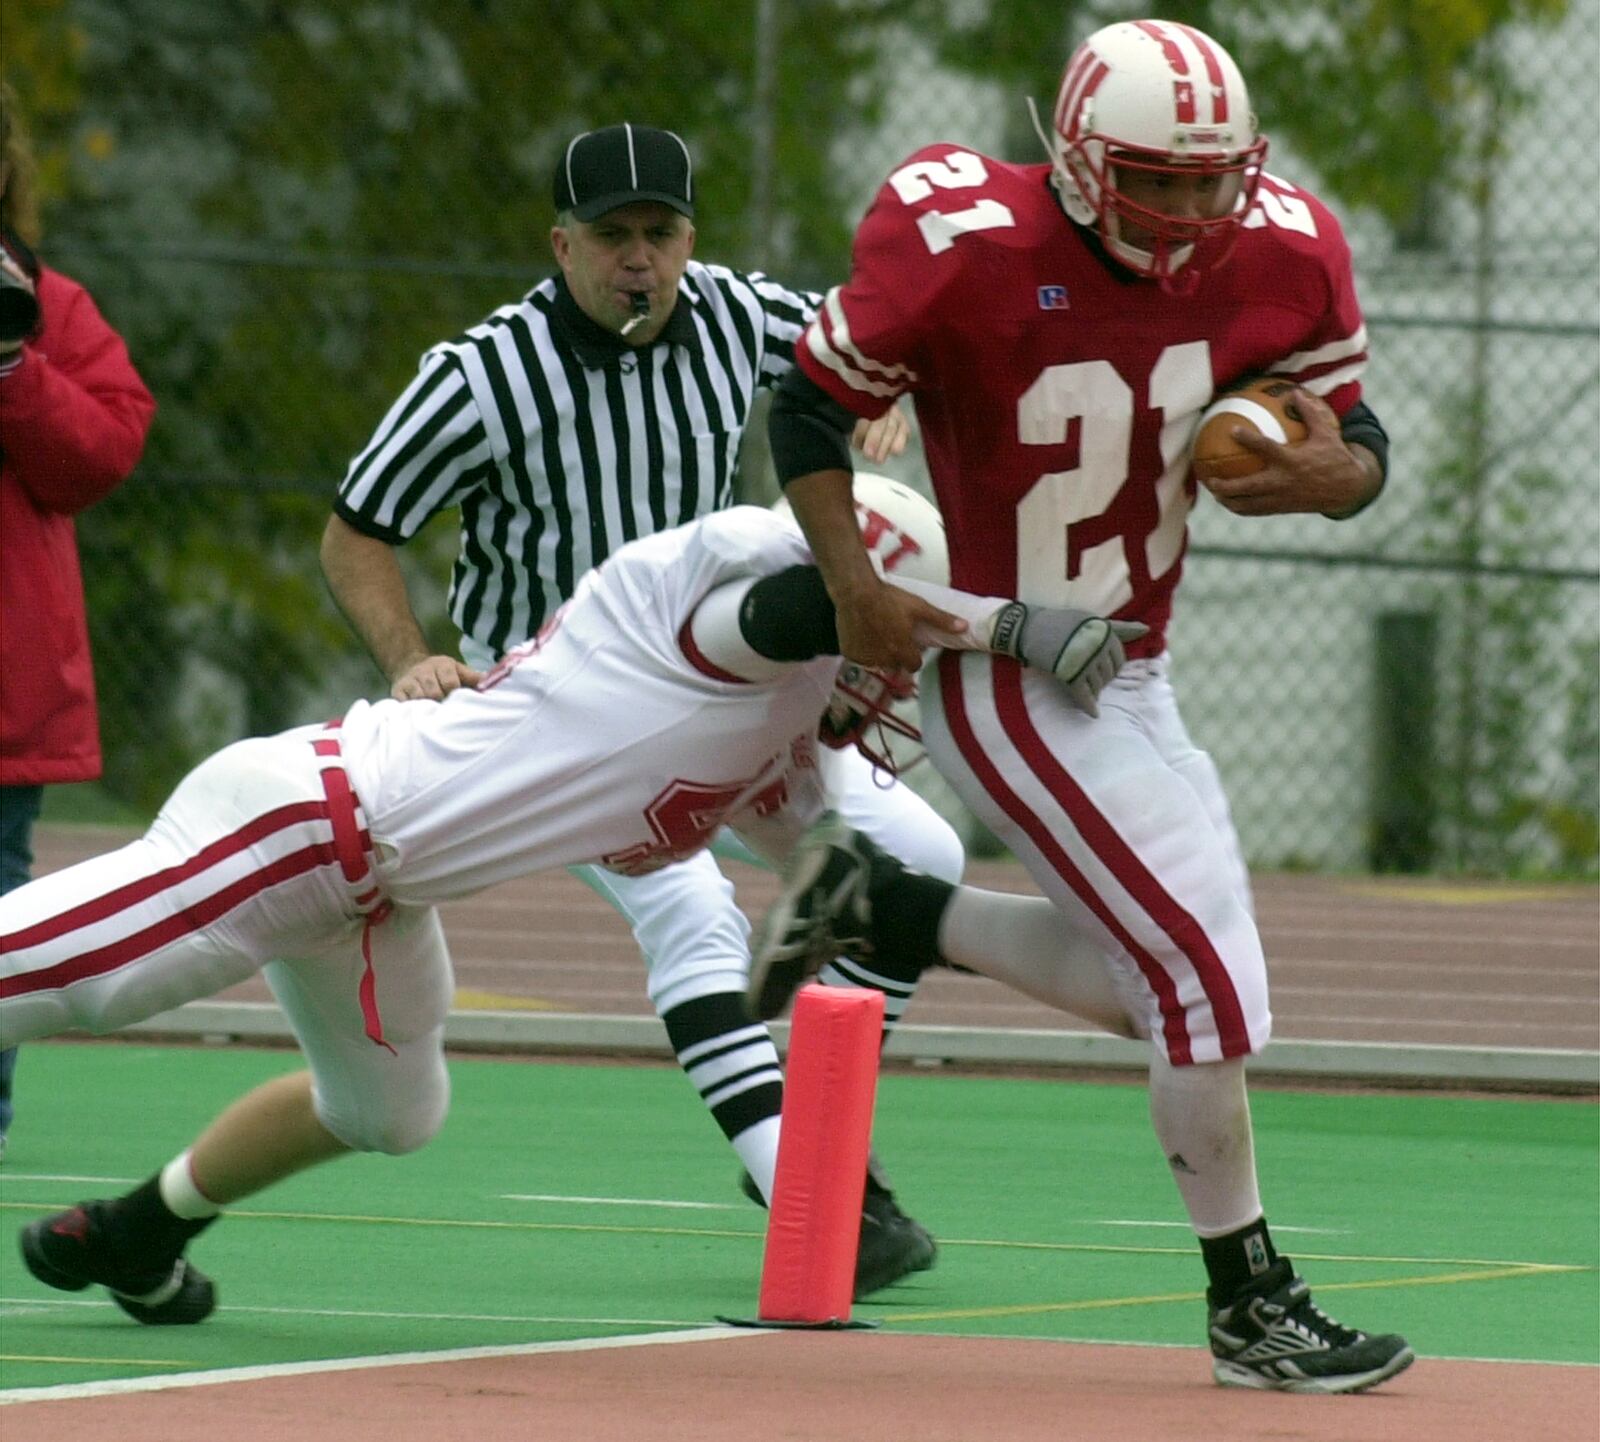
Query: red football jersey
(1058, 397)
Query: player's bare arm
(1322, 473)
(366, 581)
(878, 626)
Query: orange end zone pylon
(814, 1224)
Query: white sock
(1202, 1119)
(758, 1149)
(178, 1190)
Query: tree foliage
(281, 203)
(1377, 95)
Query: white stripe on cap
(688, 168)
(633, 163)
(571, 146)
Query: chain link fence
(281, 205)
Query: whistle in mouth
(640, 301)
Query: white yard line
(122, 1386)
(624, 1202)
(8, 1175)
(1184, 1227)
(18, 1306)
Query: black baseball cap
(602, 169)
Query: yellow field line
(97, 1361)
(1358, 1257)
(1037, 1309)
(613, 1229)
(457, 1222)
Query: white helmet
(904, 533)
(900, 528)
(1161, 98)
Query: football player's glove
(1084, 650)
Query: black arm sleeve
(789, 617)
(808, 429)
(1361, 425)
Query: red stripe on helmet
(1086, 91)
(1219, 87)
(1183, 102)
(1083, 79)
(1075, 67)
(1169, 47)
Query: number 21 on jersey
(959, 170)
(1084, 535)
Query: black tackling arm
(789, 616)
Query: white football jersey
(601, 740)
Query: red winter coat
(73, 418)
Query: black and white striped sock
(730, 1059)
(897, 990)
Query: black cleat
(823, 911)
(1272, 1336)
(73, 1249)
(892, 1245)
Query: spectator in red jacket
(73, 417)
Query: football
(1263, 406)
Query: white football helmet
(902, 530)
(904, 533)
(1162, 99)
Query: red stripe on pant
(101, 907)
(1142, 884)
(192, 918)
(351, 844)
(1175, 1031)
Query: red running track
(1392, 960)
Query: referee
(607, 404)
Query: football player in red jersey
(1061, 326)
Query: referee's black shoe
(892, 1245)
(77, 1247)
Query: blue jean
(19, 809)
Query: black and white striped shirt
(559, 443)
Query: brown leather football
(1262, 406)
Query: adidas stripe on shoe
(1272, 1336)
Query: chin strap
(1066, 187)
